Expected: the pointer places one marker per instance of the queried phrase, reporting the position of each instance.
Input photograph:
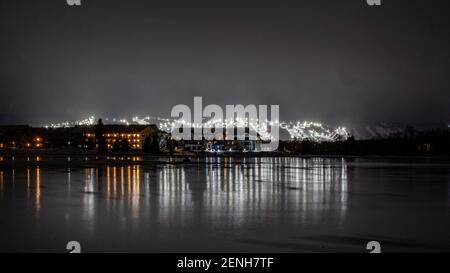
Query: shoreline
(92, 153)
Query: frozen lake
(224, 204)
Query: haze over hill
(342, 63)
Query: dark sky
(339, 62)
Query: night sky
(338, 62)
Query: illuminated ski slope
(301, 130)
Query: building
(240, 141)
(26, 137)
(21, 136)
(119, 136)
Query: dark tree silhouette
(171, 146)
(146, 147)
(410, 142)
(151, 145)
(100, 138)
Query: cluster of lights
(84, 122)
(133, 139)
(304, 130)
(253, 124)
(36, 142)
(314, 131)
(92, 121)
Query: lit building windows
(38, 142)
(133, 139)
